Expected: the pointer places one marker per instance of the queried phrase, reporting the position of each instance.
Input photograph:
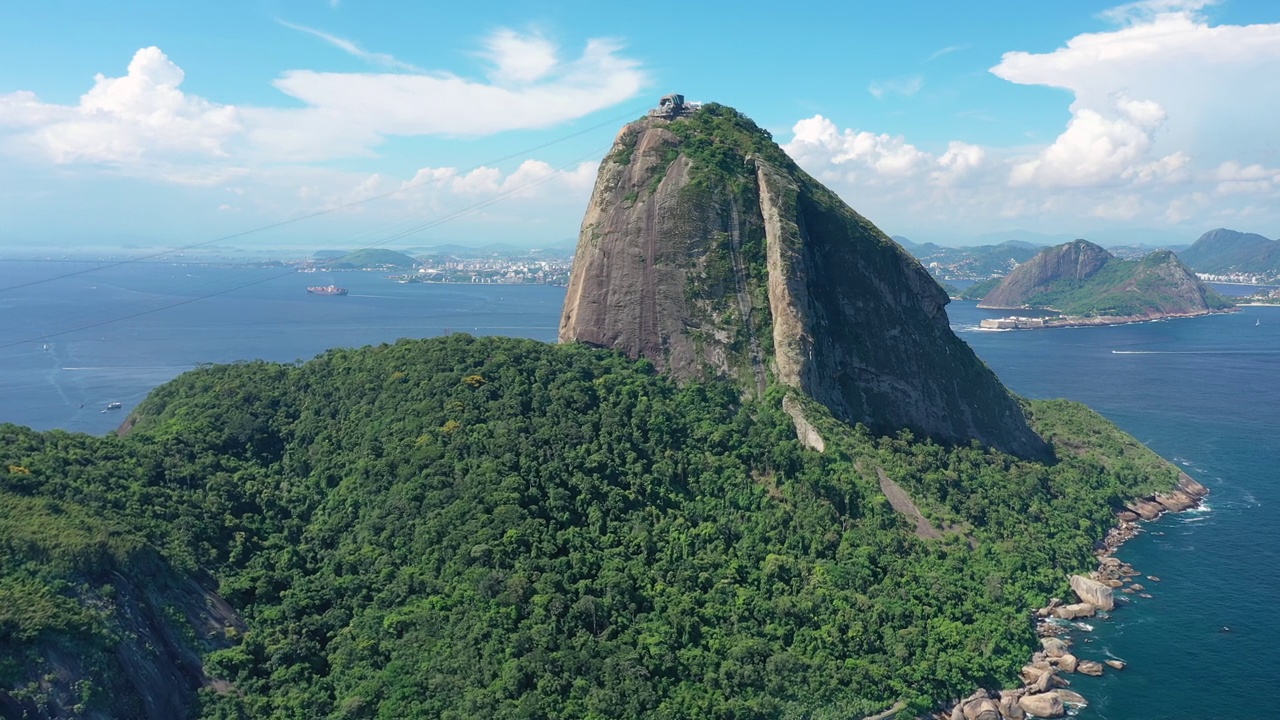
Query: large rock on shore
(1146, 509)
(1071, 697)
(1075, 610)
(1089, 667)
(1093, 592)
(1068, 662)
(1191, 487)
(1043, 705)
(1009, 707)
(1053, 647)
(1177, 501)
(982, 709)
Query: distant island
(1086, 285)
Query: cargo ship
(327, 290)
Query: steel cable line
(318, 213)
(461, 212)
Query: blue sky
(166, 124)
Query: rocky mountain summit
(706, 250)
(1083, 280)
(1076, 261)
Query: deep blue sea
(1204, 392)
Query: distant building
(1012, 323)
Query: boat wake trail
(1195, 352)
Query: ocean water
(66, 381)
(1203, 392)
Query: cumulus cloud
(1171, 122)
(858, 155)
(143, 118)
(1213, 85)
(1097, 148)
(124, 119)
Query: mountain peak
(708, 251)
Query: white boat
(114, 405)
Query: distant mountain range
(1226, 252)
(981, 261)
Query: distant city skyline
(167, 126)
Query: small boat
(114, 406)
(1257, 322)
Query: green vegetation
(499, 528)
(979, 290)
(1228, 251)
(1155, 285)
(371, 258)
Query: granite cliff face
(706, 250)
(1083, 280)
(1075, 261)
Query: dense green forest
(499, 528)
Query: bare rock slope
(706, 250)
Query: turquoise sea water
(1203, 391)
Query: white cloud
(352, 48)
(1097, 148)
(1146, 10)
(142, 123)
(856, 154)
(519, 59)
(1214, 85)
(906, 87)
(940, 52)
(1171, 124)
(958, 161)
(1121, 207)
(124, 119)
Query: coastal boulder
(1093, 592)
(1053, 647)
(1191, 487)
(1075, 610)
(1176, 501)
(1071, 697)
(982, 709)
(1009, 708)
(1146, 509)
(1067, 663)
(1117, 664)
(1089, 667)
(1043, 705)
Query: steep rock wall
(706, 250)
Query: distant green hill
(1225, 251)
(371, 258)
(978, 261)
(1082, 279)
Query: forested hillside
(499, 528)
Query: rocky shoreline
(1045, 692)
